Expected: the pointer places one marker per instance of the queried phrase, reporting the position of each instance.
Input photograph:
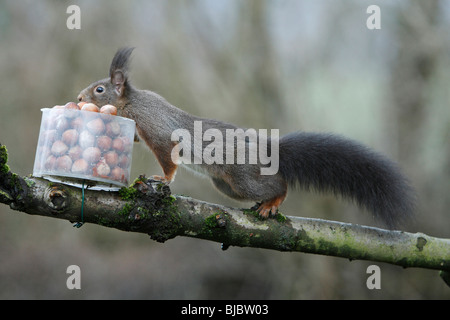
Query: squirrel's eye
(99, 89)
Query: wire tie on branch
(79, 224)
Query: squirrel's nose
(80, 97)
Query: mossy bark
(148, 207)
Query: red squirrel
(317, 161)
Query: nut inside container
(80, 147)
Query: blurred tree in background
(291, 65)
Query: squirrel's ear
(119, 69)
(118, 80)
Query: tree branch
(148, 207)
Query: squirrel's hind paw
(265, 211)
(269, 207)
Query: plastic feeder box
(79, 148)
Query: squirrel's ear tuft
(120, 61)
(119, 69)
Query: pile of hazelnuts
(85, 144)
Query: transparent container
(83, 148)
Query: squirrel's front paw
(160, 178)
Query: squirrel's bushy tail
(329, 163)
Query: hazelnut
(113, 129)
(59, 148)
(111, 158)
(71, 105)
(102, 169)
(70, 137)
(75, 152)
(80, 166)
(64, 163)
(77, 123)
(118, 145)
(61, 123)
(90, 107)
(124, 161)
(109, 109)
(70, 109)
(96, 126)
(104, 143)
(86, 139)
(92, 154)
(50, 163)
(118, 174)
